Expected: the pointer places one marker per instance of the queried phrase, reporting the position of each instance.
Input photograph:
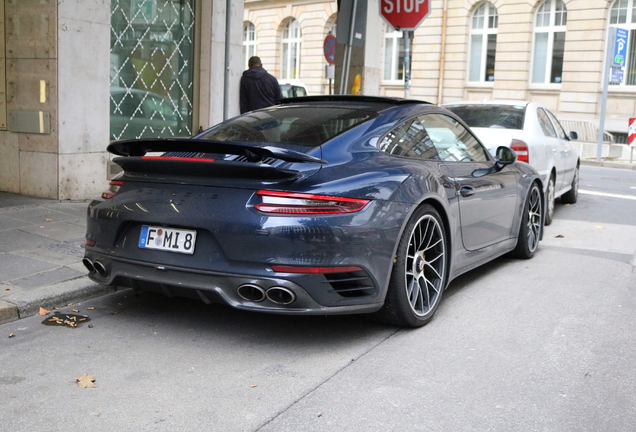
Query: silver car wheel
(549, 210)
(425, 263)
(534, 219)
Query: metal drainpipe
(226, 76)
(442, 54)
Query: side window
(454, 143)
(409, 139)
(544, 121)
(559, 129)
(300, 91)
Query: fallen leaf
(7, 289)
(559, 236)
(49, 220)
(43, 311)
(254, 385)
(11, 335)
(86, 380)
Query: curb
(609, 164)
(17, 306)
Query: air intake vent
(183, 154)
(351, 284)
(267, 160)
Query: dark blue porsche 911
(319, 205)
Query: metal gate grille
(151, 68)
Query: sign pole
(606, 76)
(407, 63)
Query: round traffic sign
(330, 49)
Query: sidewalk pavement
(41, 251)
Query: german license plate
(167, 239)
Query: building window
(151, 68)
(623, 15)
(393, 56)
(483, 43)
(549, 42)
(290, 60)
(249, 42)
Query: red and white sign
(405, 14)
(631, 133)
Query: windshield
(296, 124)
(491, 116)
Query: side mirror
(574, 135)
(505, 156)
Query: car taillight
(298, 269)
(299, 203)
(521, 148)
(113, 188)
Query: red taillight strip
(177, 158)
(294, 269)
(300, 203)
(521, 149)
(113, 188)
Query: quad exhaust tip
(89, 265)
(280, 295)
(100, 268)
(251, 292)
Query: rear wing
(253, 153)
(188, 158)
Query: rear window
(301, 125)
(491, 116)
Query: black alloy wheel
(418, 278)
(530, 229)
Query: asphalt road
(540, 345)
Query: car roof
(352, 100)
(489, 102)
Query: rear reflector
(113, 188)
(294, 269)
(298, 203)
(90, 242)
(521, 148)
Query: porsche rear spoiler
(253, 153)
(201, 162)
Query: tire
(571, 196)
(530, 229)
(418, 277)
(549, 202)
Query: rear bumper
(218, 287)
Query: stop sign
(404, 14)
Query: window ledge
(480, 84)
(551, 86)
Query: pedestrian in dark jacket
(259, 89)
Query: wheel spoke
(425, 265)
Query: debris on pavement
(71, 320)
(43, 311)
(86, 380)
(11, 335)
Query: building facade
(75, 75)
(549, 51)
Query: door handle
(466, 191)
